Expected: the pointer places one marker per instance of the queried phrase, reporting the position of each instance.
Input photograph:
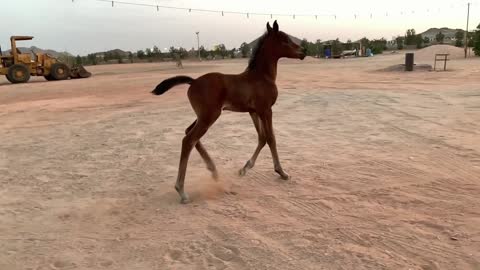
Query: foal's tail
(169, 83)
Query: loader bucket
(79, 72)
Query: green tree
(410, 37)
(92, 58)
(310, 48)
(365, 42)
(203, 52)
(470, 37)
(419, 41)
(130, 57)
(378, 45)
(140, 54)
(426, 40)
(182, 52)
(221, 50)
(459, 37)
(245, 50)
(232, 52)
(172, 51)
(319, 46)
(304, 45)
(117, 56)
(78, 60)
(476, 41)
(85, 60)
(400, 42)
(440, 37)
(148, 53)
(337, 47)
(156, 52)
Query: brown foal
(253, 91)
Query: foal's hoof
(185, 199)
(215, 175)
(283, 175)
(242, 172)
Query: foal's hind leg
(189, 141)
(204, 154)
(262, 140)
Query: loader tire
(18, 73)
(59, 71)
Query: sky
(86, 26)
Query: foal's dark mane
(256, 52)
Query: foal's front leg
(261, 143)
(267, 125)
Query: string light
(211, 10)
(223, 12)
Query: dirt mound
(429, 52)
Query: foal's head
(279, 44)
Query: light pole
(466, 33)
(198, 45)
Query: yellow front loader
(18, 66)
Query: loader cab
(18, 56)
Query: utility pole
(198, 44)
(466, 34)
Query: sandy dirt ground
(385, 171)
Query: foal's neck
(266, 67)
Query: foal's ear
(275, 26)
(269, 28)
